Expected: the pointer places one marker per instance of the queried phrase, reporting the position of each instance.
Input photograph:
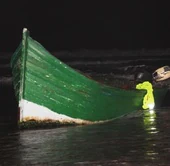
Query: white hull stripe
(33, 111)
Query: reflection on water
(150, 121)
(152, 130)
(139, 140)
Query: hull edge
(32, 111)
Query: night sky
(67, 25)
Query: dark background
(67, 25)
(92, 36)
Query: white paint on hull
(33, 111)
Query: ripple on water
(142, 139)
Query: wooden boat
(49, 90)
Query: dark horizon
(81, 25)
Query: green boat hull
(48, 89)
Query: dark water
(141, 139)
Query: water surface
(141, 139)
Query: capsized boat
(50, 90)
